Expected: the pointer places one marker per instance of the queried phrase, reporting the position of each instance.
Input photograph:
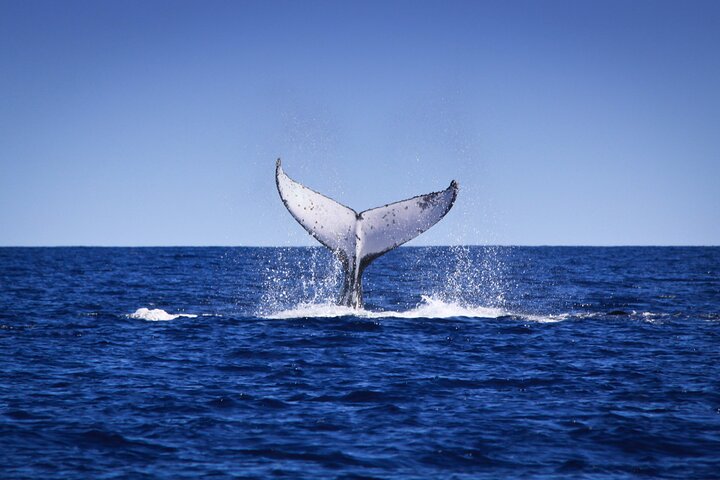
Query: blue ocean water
(467, 362)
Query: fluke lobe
(359, 238)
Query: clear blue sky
(158, 123)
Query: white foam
(651, 317)
(157, 315)
(429, 308)
(318, 310)
(436, 308)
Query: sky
(134, 123)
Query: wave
(429, 308)
(157, 315)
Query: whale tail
(359, 238)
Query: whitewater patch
(429, 308)
(157, 315)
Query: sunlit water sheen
(464, 363)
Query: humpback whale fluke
(359, 238)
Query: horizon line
(521, 245)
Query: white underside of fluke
(359, 238)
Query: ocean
(466, 362)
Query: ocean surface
(467, 362)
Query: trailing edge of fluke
(359, 238)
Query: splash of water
(460, 280)
(430, 307)
(157, 315)
(476, 278)
(300, 279)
